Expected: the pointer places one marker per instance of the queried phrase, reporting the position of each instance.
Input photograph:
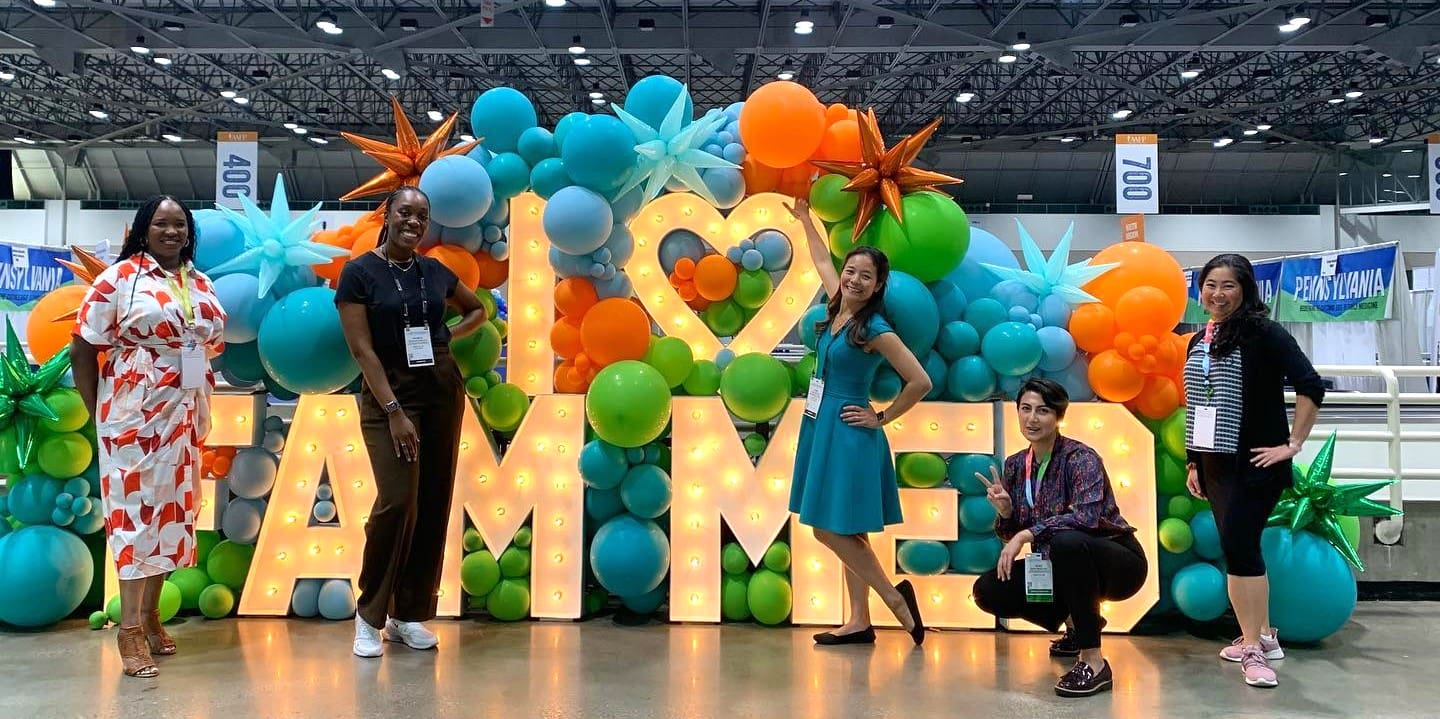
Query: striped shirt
(1222, 391)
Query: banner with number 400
(235, 167)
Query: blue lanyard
(1205, 355)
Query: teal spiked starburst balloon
(1316, 504)
(23, 390)
(1055, 275)
(674, 151)
(274, 242)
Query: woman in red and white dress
(158, 321)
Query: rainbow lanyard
(1205, 357)
(1029, 491)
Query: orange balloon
(575, 296)
(1159, 398)
(1144, 310)
(715, 277)
(837, 112)
(1093, 327)
(782, 124)
(841, 142)
(226, 452)
(1140, 264)
(614, 329)
(698, 304)
(459, 261)
(569, 381)
(685, 268)
(221, 467)
(366, 238)
(46, 333)
(759, 178)
(1114, 378)
(493, 272)
(796, 181)
(360, 236)
(565, 337)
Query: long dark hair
(857, 335)
(385, 212)
(1251, 312)
(136, 241)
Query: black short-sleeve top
(371, 281)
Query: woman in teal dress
(844, 484)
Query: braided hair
(385, 213)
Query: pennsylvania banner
(26, 274)
(1267, 276)
(1341, 286)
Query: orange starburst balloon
(86, 268)
(407, 158)
(882, 175)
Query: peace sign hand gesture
(995, 493)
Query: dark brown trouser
(405, 535)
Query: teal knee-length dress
(844, 479)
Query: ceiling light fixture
(1354, 91)
(45, 3)
(596, 94)
(1386, 175)
(163, 61)
(1008, 57)
(1189, 74)
(885, 22)
(1298, 18)
(319, 140)
(554, 3)
(1408, 150)
(965, 96)
(1335, 100)
(299, 131)
(435, 115)
(804, 26)
(409, 24)
(1376, 140)
(575, 47)
(389, 74)
(25, 140)
(786, 74)
(139, 47)
(1021, 43)
(646, 24)
(291, 125)
(1250, 133)
(6, 75)
(228, 94)
(1343, 174)
(467, 137)
(329, 24)
(171, 137)
(1122, 113)
(597, 101)
(1288, 28)
(1263, 126)
(1377, 20)
(98, 113)
(1224, 142)
(582, 61)
(172, 26)
(1130, 20)
(242, 101)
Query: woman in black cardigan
(1240, 442)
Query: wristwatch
(392, 406)
(880, 416)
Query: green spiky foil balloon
(23, 390)
(1316, 504)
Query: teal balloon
(1207, 535)
(673, 357)
(771, 597)
(628, 404)
(245, 307)
(242, 362)
(602, 465)
(1312, 588)
(734, 597)
(950, 300)
(647, 603)
(336, 600)
(958, 339)
(962, 468)
(808, 333)
(602, 504)
(629, 555)
(45, 573)
(1172, 435)
(922, 556)
(755, 387)
(304, 601)
(970, 379)
(911, 310)
(509, 176)
(646, 491)
(650, 100)
(302, 346)
(886, 386)
(1011, 348)
(562, 128)
(984, 314)
(548, 177)
(975, 552)
(1199, 592)
(500, 116)
(32, 499)
(935, 368)
(976, 514)
(536, 144)
(599, 153)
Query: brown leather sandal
(155, 635)
(134, 655)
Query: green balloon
(800, 374)
(1350, 527)
(724, 318)
(9, 457)
(72, 415)
(476, 387)
(830, 202)
(734, 597)
(487, 301)
(205, 541)
(479, 573)
(191, 581)
(1175, 535)
(504, 407)
(64, 455)
(595, 600)
(509, 601)
(493, 378)
(755, 387)
(703, 380)
(515, 563)
(98, 619)
(770, 597)
(628, 404)
(1172, 435)
(473, 542)
(754, 445)
(170, 599)
(1180, 507)
(753, 289)
(217, 601)
(523, 537)
(777, 557)
(1170, 474)
(112, 609)
(672, 356)
(229, 563)
(842, 239)
(920, 469)
(734, 560)
(476, 353)
(932, 240)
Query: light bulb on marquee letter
(531, 360)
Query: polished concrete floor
(1381, 665)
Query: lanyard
(1029, 491)
(400, 292)
(1205, 356)
(182, 291)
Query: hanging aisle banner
(1341, 286)
(1267, 276)
(1432, 170)
(236, 167)
(1137, 174)
(27, 274)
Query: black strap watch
(880, 416)
(392, 406)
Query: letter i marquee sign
(715, 482)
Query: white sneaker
(367, 639)
(413, 634)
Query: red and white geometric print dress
(149, 428)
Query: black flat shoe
(907, 591)
(830, 639)
(1066, 646)
(1083, 681)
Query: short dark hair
(1052, 394)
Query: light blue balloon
(724, 357)
(677, 244)
(1075, 379)
(808, 334)
(499, 214)
(732, 111)
(602, 504)
(911, 310)
(650, 100)
(597, 270)
(500, 251)
(244, 310)
(734, 151)
(956, 340)
(727, 138)
(616, 286)
(305, 600)
(302, 346)
(241, 521)
(603, 465)
(89, 523)
(714, 148)
(562, 128)
(324, 492)
(481, 155)
(775, 248)
(336, 600)
(491, 234)
(985, 313)
(1018, 314)
(75, 487)
(886, 386)
(45, 573)
(601, 255)
(599, 153)
(217, 240)
(727, 184)
(273, 442)
(628, 205)
(1035, 321)
(752, 260)
(977, 514)
(970, 380)
(1011, 348)
(620, 245)
(1057, 349)
(536, 144)
(1014, 293)
(646, 491)
(1010, 386)
(509, 175)
(630, 555)
(577, 220)
(252, 473)
(973, 279)
(324, 511)
(61, 516)
(567, 265)
(734, 254)
(500, 116)
(1054, 311)
(1207, 536)
(459, 189)
(295, 278)
(548, 177)
(1199, 592)
(949, 300)
(469, 238)
(922, 556)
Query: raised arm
(817, 245)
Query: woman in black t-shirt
(392, 306)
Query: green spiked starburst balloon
(23, 390)
(1316, 504)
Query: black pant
(1087, 570)
(405, 535)
(1242, 497)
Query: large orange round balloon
(782, 124)
(459, 261)
(1114, 378)
(1144, 310)
(493, 272)
(1159, 398)
(715, 277)
(1093, 327)
(1140, 264)
(574, 296)
(614, 329)
(841, 142)
(46, 333)
(759, 178)
(795, 181)
(565, 337)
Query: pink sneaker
(1269, 645)
(1257, 671)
